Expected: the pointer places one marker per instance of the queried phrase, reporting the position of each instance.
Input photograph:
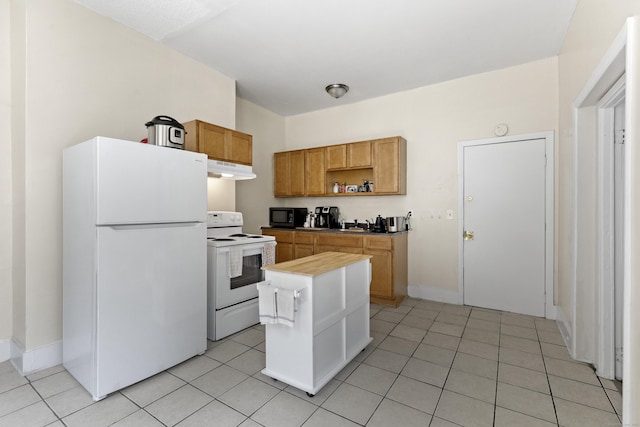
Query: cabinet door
(284, 243)
(240, 148)
(288, 174)
(301, 251)
(282, 236)
(337, 156)
(297, 173)
(339, 240)
(383, 243)
(284, 252)
(281, 173)
(381, 273)
(348, 250)
(359, 154)
(304, 238)
(323, 248)
(315, 171)
(212, 140)
(386, 166)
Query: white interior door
(503, 217)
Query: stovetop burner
(224, 229)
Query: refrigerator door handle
(125, 227)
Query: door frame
(605, 349)
(622, 57)
(548, 136)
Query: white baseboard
(565, 330)
(434, 294)
(5, 350)
(28, 362)
(551, 312)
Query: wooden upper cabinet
(219, 143)
(336, 156)
(289, 173)
(281, 172)
(241, 148)
(315, 171)
(359, 154)
(390, 165)
(311, 172)
(352, 155)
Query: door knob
(468, 235)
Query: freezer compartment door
(144, 184)
(151, 301)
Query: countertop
(334, 231)
(315, 265)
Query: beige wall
(255, 196)
(83, 75)
(5, 175)
(432, 119)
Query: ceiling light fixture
(337, 90)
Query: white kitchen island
(331, 324)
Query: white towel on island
(268, 254)
(276, 305)
(235, 262)
(285, 307)
(267, 303)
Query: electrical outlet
(449, 213)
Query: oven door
(229, 291)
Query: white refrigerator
(134, 261)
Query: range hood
(226, 170)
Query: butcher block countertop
(315, 265)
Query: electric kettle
(380, 225)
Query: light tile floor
(430, 364)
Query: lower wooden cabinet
(347, 243)
(284, 246)
(389, 265)
(303, 244)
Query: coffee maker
(327, 217)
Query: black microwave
(287, 217)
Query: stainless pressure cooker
(165, 131)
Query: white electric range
(234, 268)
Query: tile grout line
(450, 367)
(495, 401)
(546, 373)
(140, 407)
(43, 400)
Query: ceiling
(282, 53)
